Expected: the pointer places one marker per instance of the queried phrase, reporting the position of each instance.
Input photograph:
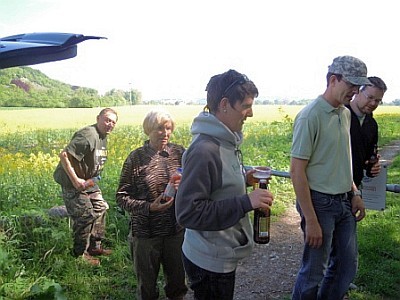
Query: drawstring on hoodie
(239, 155)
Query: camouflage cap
(352, 69)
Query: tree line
(27, 87)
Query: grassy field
(53, 118)
(14, 120)
(35, 260)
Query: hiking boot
(90, 259)
(99, 251)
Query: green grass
(35, 258)
(379, 243)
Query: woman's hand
(160, 204)
(261, 198)
(250, 180)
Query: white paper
(374, 190)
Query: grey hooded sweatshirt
(211, 202)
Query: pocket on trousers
(321, 201)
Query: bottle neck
(262, 184)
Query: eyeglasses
(371, 98)
(241, 80)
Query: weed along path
(270, 272)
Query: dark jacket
(144, 176)
(363, 140)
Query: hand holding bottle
(172, 185)
(89, 183)
(373, 166)
(261, 198)
(160, 204)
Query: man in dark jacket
(364, 129)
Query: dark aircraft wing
(41, 47)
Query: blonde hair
(155, 118)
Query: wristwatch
(356, 193)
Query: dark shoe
(90, 259)
(99, 251)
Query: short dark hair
(376, 82)
(231, 85)
(106, 110)
(329, 74)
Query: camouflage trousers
(87, 211)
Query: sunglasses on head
(239, 81)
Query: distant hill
(27, 87)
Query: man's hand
(358, 208)
(79, 184)
(313, 233)
(376, 168)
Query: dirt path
(389, 152)
(270, 272)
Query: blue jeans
(326, 273)
(208, 285)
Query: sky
(170, 49)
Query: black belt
(332, 195)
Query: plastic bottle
(91, 182)
(372, 161)
(262, 219)
(170, 191)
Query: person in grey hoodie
(212, 202)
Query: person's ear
(223, 104)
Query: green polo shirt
(321, 135)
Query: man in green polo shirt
(327, 199)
